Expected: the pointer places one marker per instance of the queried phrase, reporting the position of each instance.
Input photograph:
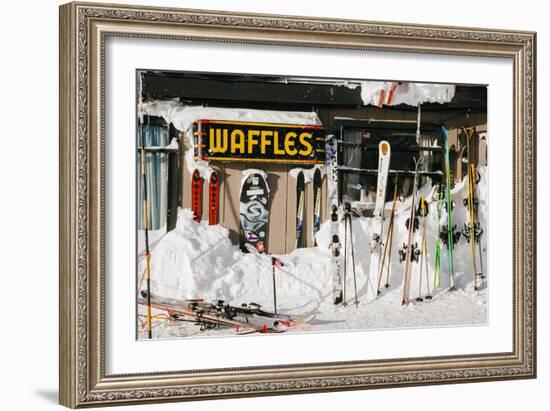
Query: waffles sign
(259, 142)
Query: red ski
(196, 195)
(214, 198)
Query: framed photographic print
(259, 204)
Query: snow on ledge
(183, 116)
(390, 93)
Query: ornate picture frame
(84, 29)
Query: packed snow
(198, 260)
(183, 116)
(379, 93)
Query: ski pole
(146, 228)
(387, 246)
(344, 303)
(348, 207)
(273, 264)
(424, 256)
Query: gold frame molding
(84, 27)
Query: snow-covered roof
(391, 93)
(183, 116)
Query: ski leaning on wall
(423, 272)
(335, 244)
(449, 230)
(196, 195)
(300, 206)
(336, 257)
(332, 163)
(254, 216)
(409, 252)
(317, 185)
(214, 198)
(384, 155)
(439, 194)
(472, 229)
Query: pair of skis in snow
(339, 275)
(448, 234)
(300, 207)
(213, 196)
(410, 252)
(414, 255)
(248, 318)
(472, 229)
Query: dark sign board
(217, 140)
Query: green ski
(450, 239)
(437, 263)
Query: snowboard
(254, 215)
(384, 155)
(317, 185)
(214, 198)
(196, 195)
(300, 205)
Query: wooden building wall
(282, 202)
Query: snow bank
(198, 260)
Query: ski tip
(444, 131)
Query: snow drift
(198, 260)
